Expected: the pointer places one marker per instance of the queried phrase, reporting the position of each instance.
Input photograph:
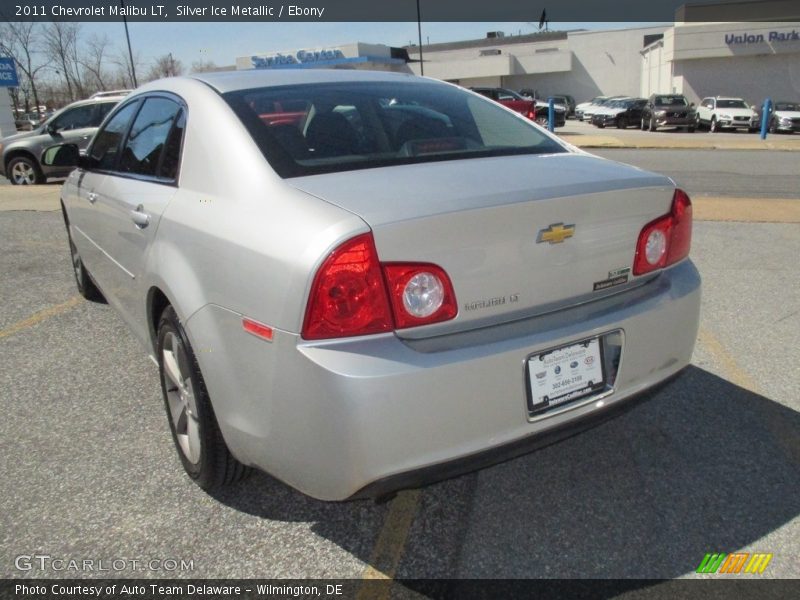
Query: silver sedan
(361, 282)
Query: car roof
(229, 81)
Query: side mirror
(51, 129)
(62, 155)
(691, 105)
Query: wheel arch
(157, 301)
(17, 153)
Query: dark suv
(668, 110)
(75, 124)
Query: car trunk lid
(480, 221)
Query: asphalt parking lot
(709, 463)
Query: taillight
(420, 294)
(353, 294)
(666, 240)
(532, 114)
(348, 296)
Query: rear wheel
(24, 171)
(202, 450)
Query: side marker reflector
(257, 329)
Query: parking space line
(391, 543)
(40, 316)
(786, 437)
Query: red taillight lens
(421, 294)
(348, 296)
(532, 114)
(681, 228)
(666, 240)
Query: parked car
(542, 108)
(360, 309)
(785, 117)
(726, 113)
(27, 121)
(510, 99)
(594, 102)
(590, 110)
(543, 112)
(570, 103)
(620, 113)
(668, 110)
(76, 123)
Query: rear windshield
(329, 127)
(671, 100)
(787, 106)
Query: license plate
(565, 374)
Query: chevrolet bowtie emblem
(556, 233)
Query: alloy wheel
(23, 173)
(181, 397)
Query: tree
(61, 44)
(92, 61)
(125, 69)
(20, 41)
(165, 66)
(203, 66)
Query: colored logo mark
(737, 562)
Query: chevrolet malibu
(361, 282)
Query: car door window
(103, 108)
(106, 144)
(148, 137)
(76, 118)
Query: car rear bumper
(364, 416)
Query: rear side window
(105, 147)
(77, 118)
(147, 139)
(327, 127)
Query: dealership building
(749, 57)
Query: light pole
(419, 34)
(128, 37)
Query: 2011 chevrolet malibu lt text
(361, 282)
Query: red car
(517, 103)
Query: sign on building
(8, 73)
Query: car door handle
(141, 218)
(91, 197)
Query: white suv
(730, 113)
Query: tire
(773, 128)
(643, 125)
(86, 286)
(652, 125)
(22, 170)
(622, 123)
(712, 127)
(601, 125)
(542, 121)
(690, 129)
(195, 432)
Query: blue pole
(551, 114)
(765, 110)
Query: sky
(221, 43)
